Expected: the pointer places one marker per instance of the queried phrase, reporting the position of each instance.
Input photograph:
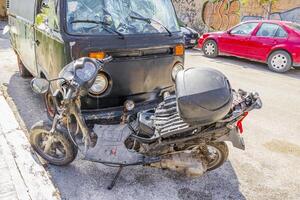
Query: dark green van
(142, 36)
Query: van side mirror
(6, 30)
(45, 4)
(40, 85)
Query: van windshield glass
(103, 17)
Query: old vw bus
(142, 36)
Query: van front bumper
(114, 115)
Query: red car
(276, 43)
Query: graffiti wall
(205, 15)
(2, 9)
(189, 12)
(221, 15)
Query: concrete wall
(2, 9)
(205, 15)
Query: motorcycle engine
(164, 121)
(189, 162)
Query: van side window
(47, 14)
(23, 9)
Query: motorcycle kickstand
(113, 182)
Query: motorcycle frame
(71, 105)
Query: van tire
(24, 73)
(49, 105)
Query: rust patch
(285, 147)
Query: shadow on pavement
(89, 181)
(3, 38)
(30, 105)
(4, 45)
(86, 180)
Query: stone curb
(32, 174)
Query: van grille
(141, 52)
(7, 4)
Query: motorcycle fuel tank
(204, 95)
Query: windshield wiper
(149, 21)
(106, 26)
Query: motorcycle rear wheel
(219, 152)
(55, 148)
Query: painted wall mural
(186, 9)
(214, 15)
(221, 14)
(2, 9)
(189, 12)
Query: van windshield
(103, 17)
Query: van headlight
(177, 68)
(100, 85)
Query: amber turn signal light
(179, 50)
(97, 55)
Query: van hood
(113, 42)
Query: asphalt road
(268, 169)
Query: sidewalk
(9, 175)
(22, 177)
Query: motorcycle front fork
(72, 108)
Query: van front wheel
(50, 105)
(22, 69)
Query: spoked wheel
(218, 154)
(56, 148)
(50, 106)
(280, 61)
(210, 49)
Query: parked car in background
(276, 43)
(190, 36)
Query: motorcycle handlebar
(106, 60)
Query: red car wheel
(210, 49)
(280, 61)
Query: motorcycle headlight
(100, 85)
(177, 68)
